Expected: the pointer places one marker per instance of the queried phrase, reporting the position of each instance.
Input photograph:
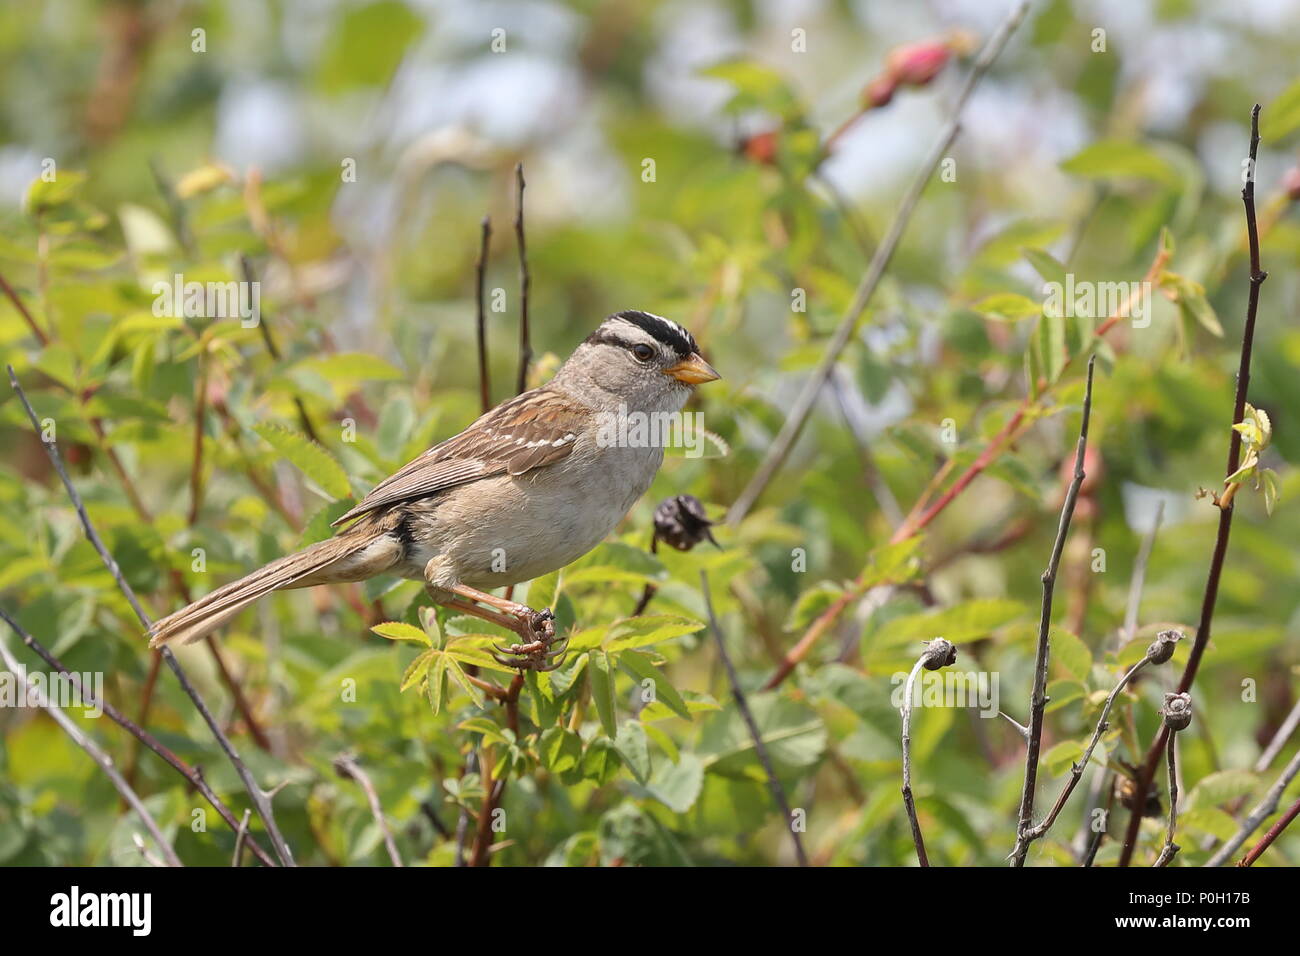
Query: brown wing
(535, 429)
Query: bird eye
(643, 352)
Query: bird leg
(537, 648)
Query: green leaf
(1282, 116)
(602, 690)
(366, 45)
(960, 623)
(634, 748)
(458, 675)
(1072, 654)
(308, 457)
(1063, 756)
(677, 785)
(1219, 788)
(560, 749)
(400, 631)
(640, 667)
(1046, 265)
(811, 604)
(1268, 478)
(416, 670)
(649, 629)
(601, 761)
(1115, 159)
(1007, 307)
(435, 685)
(43, 196)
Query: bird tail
(301, 569)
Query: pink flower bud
(918, 63)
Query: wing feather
(533, 430)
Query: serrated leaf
(401, 631)
(559, 749)
(308, 457)
(1219, 788)
(643, 631)
(458, 674)
(1072, 654)
(677, 785)
(640, 667)
(435, 685)
(416, 670)
(1116, 159)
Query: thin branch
(1146, 773)
(1170, 849)
(1279, 739)
(1038, 700)
(240, 836)
(96, 754)
(462, 820)
(1095, 844)
(1076, 772)
(908, 802)
(196, 464)
(23, 311)
(803, 405)
(525, 280)
(484, 385)
(345, 765)
(1273, 832)
(259, 797)
(1263, 810)
(742, 705)
(139, 733)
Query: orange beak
(693, 371)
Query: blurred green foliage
(357, 206)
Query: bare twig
(742, 705)
(135, 730)
(264, 327)
(1038, 700)
(240, 836)
(345, 765)
(803, 405)
(23, 311)
(1146, 772)
(525, 280)
(96, 754)
(1273, 832)
(1095, 843)
(1263, 810)
(1170, 849)
(1279, 739)
(908, 802)
(259, 797)
(484, 385)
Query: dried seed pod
(939, 653)
(1162, 648)
(681, 522)
(1177, 711)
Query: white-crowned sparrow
(529, 487)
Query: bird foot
(539, 650)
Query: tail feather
(209, 612)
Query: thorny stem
(742, 705)
(1038, 700)
(346, 766)
(96, 754)
(1283, 822)
(139, 733)
(1076, 772)
(259, 797)
(1146, 772)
